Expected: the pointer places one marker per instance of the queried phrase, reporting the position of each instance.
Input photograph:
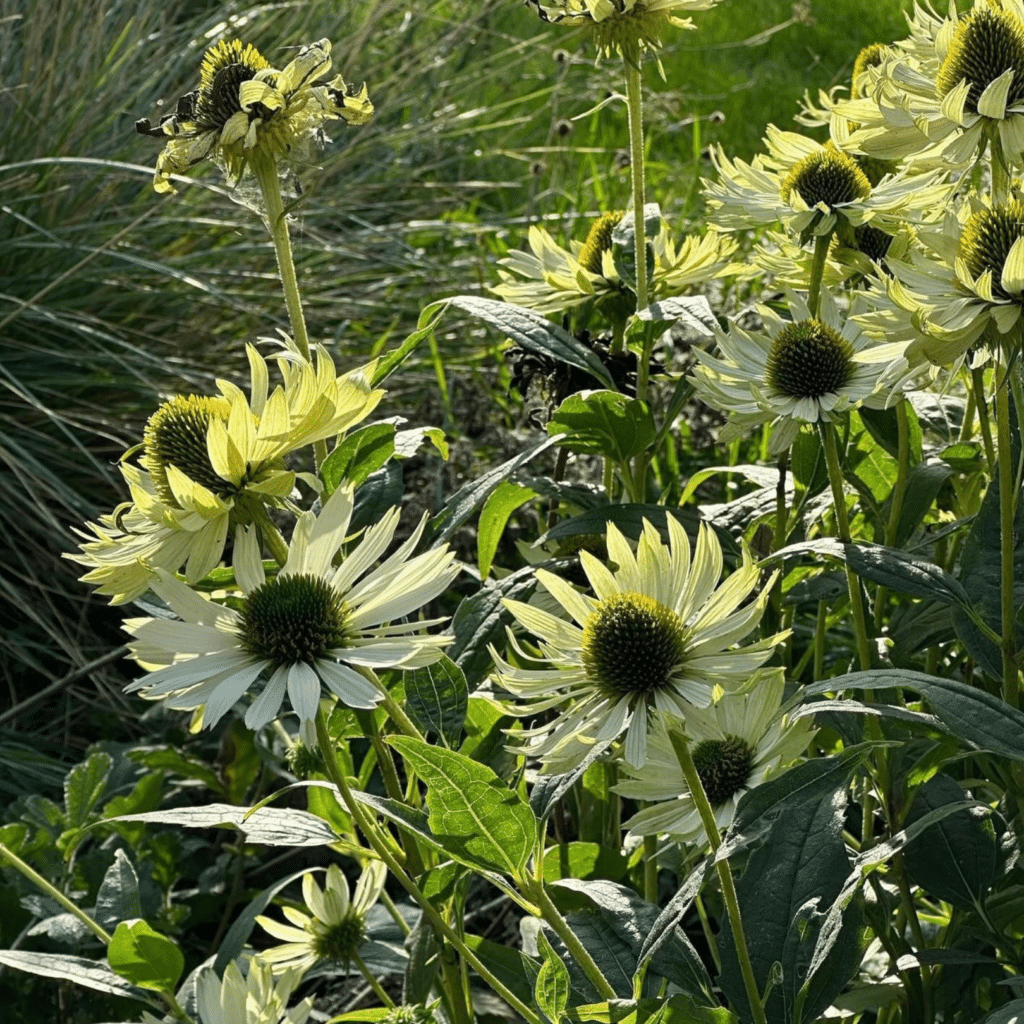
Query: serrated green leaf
(494, 516)
(603, 423)
(83, 787)
(361, 453)
(474, 814)
(691, 311)
(145, 957)
(904, 573)
(118, 896)
(436, 699)
(551, 990)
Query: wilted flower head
(244, 109)
(336, 925)
(621, 26)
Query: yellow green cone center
(987, 42)
(723, 767)
(809, 359)
(987, 239)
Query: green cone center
(872, 241)
(599, 241)
(295, 617)
(828, 176)
(987, 42)
(632, 644)
(723, 767)
(809, 359)
(987, 239)
(869, 57)
(176, 436)
(340, 941)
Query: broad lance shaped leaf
(785, 889)
(94, 974)
(471, 811)
(361, 453)
(959, 858)
(145, 957)
(118, 897)
(273, 826)
(532, 331)
(494, 517)
(973, 716)
(436, 699)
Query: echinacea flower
(621, 26)
(312, 624)
(813, 189)
(336, 925)
(255, 999)
(660, 634)
(212, 464)
(552, 280)
(244, 109)
(957, 85)
(736, 744)
(967, 294)
(800, 370)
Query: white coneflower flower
(660, 634)
(799, 370)
(336, 925)
(244, 108)
(311, 624)
(736, 743)
(553, 280)
(255, 999)
(813, 188)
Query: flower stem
(265, 171)
(978, 388)
(384, 851)
(1007, 543)
(634, 104)
(835, 475)
(372, 982)
(821, 244)
(43, 885)
(732, 905)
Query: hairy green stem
(732, 905)
(978, 389)
(54, 893)
(821, 244)
(384, 851)
(1007, 543)
(372, 982)
(835, 475)
(267, 178)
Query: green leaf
(145, 957)
(94, 974)
(408, 442)
(380, 492)
(471, 811)
(603, 423)
(83, 787)
(270, 826)
(630, 520)
(975, 717)
(424, 963)
(513, 968)
(178, 763)
(360, 454)
(467, 499)
(958, 859)
(963, 457)
(904, 573)
(551, 989)
(494, 516)
(534, 332)
(870, 461)
(436, 699)
(677, 1009)
(691, 311)
(616, 911)
(801, 866)
(624, 244)
(924, 482)
(583, 861)
(480, 620)
(883, 425)
(118, 896)
(427, 322)
(1009, 1013)
(980, 574)
(239, 760)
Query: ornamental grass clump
(729, 735)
